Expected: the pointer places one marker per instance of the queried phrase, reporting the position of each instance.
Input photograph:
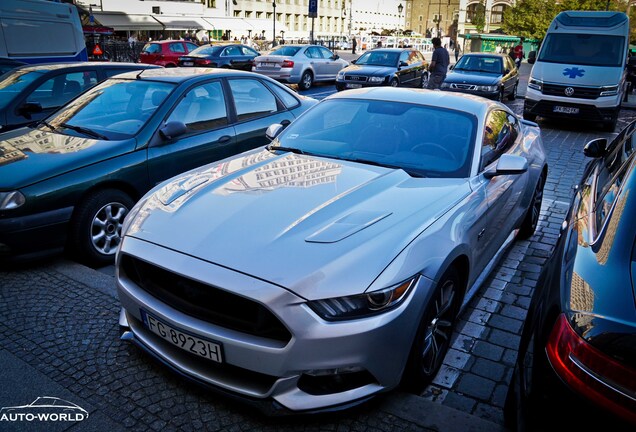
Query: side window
(177, 48)
(288, 99)
(252, 99)
(607, 194)
(313, 52)
(497, 131)
(248, 51)
(232, 51)
(404, 57)
(325, 53)
(191, 46)
(58, 90)
(202, 108)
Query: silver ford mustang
(331, 265)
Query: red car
(165, 53)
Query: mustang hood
(574, 75)
(365, 70)
(32, 155)
(318, 227)
(467, 77)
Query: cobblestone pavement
(68, 333)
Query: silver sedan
(331, 265)
(300, 64)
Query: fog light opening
(328, 381)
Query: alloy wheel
(106, 227)
(439, 329)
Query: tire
(501, 96)
(531, 219)
(610, 125)
(513, 95)
(432, 339)
(306, 80)
(95, 230)
(394, 82)
(424, 82)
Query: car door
(332, 65)
(509, 78)
(209, 133)
(174, 51)
(405, 72)
(316, 62)
(51, 93)
(233, 57)
(503, 192)
(255, 108)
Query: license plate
(268, 64)
(349, 85)
(187, 342)
(188, 63)
(565, 110)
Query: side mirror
(507, 71)
(28, 108)
(403, 63)
(508, 165)
(532, 57)
(172, 130)
(273, 131)
(596, 148)
(451, 67)
(353, 61)
(335, 57)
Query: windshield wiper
(272, 147)
(47, 124)
(384, 165)
(85, 131)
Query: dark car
(631, 72)
(577, 355)
(490, 75)
(165, 53)
(7, 64)
(31, 93)
(233, 56)
(71, 179)
(385, 67)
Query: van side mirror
(532, 57)
(596, 148)
(172, 130)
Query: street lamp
(274, 21)
(400, 9)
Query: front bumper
(601, 109)
(261, 369)
(35, 235)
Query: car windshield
(285, 51)
(583, 49)
(204, 50)
(115, 109)
(12, 84)
(378, 58)
(479, 64)
(424, 141)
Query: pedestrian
(456, 52)
(439, 65)
(354, 45)
(518, 53)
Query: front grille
(357, 78)
(463, 86)
(205, 302)
(579, 92)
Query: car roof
(485, 54)
(46, 67)
(177, 75)
(392, 49)
(449, 100)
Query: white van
(41, 31)
(580, 72)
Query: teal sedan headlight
(11, 200)
(490, 88)
(362, 305)
(376, 79)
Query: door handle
(224, 139)
(481, 234)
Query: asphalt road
(59, 337)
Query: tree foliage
(479, 19)
(531, 18)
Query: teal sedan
(68, 182)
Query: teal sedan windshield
(13, 83)
(424, 141)
(115, 109)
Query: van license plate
(565, 110)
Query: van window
(583, 49)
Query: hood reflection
(38, 141)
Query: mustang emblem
(573, 72)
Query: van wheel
(610, 125)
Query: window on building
(471, 11)
(211, 3)
(497, 13)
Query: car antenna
(139, 74)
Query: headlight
(609, 90)
(445, 85)
(491, 88)
(11, 200)
(340, 75)
(363, 305)
(535, 84)
(376, 79)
